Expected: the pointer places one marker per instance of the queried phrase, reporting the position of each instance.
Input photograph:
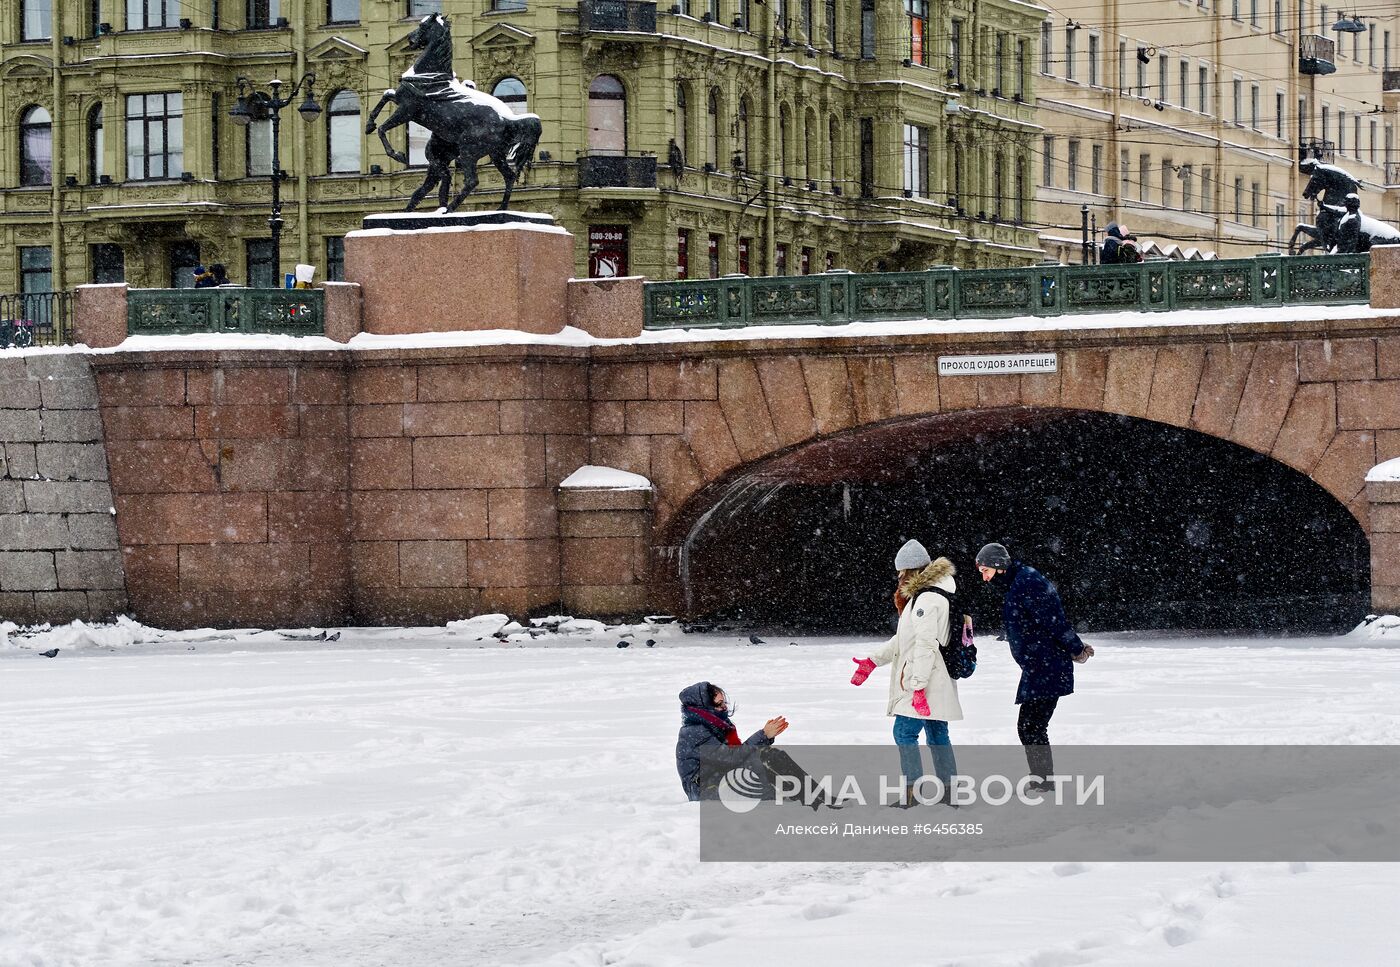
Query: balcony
(1390, 82)
(1317, 54)
(616, 171)
(622, 15)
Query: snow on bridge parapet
(605, 518)
(1387, 472)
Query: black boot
(1041, 761)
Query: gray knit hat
(993, 555)
(911, 556)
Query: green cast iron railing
(160, 312)
(1048, 290)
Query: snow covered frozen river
(430, 801)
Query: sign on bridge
(997, 365)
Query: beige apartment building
(1185, 119)
(681, 140)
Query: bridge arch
(1304, 403)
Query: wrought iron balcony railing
(1053, 290)
(616, 171)
(1317, 54)
(618, 15)
(156, 312)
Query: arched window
(343, 133)
(36, 147)
(607, 116)
(510, 91)
(712, 149)
(95, 142)
(682, 119)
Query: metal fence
(156, 312)
(36, 319)
(1050, 290)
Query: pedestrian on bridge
(1043, 643)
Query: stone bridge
(402, 483)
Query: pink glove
(864, 666)
(921, 702)
(967, 639)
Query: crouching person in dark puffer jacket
(709, 747)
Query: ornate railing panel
(296, 312)
(36, 319)
(1047, 290)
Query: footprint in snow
(822, 911)
(1069, 869)
(1177, 934)
(704, 938)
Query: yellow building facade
(1185, 120)
(711, 137)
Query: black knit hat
(993, 555)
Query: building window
(1093, 60)
(682, 119)
(1254, 106)
(1202, 81)
(95, 144)
(867, 29)
(1162, 74)
(261, 13)
(183, 257)
(808, 21)
(683, 253)
(782, 259)
(1278, 114)
(422, 8)
(262, 273)
(607, 116)
(607, 251)
(1047, 160)
(1234, 9)
(510, 91)
(1072, 166)
(1167, 175)
(999, 64)
(36, 20)
(745, 246)
(154, 14)
(36, 147)
(915, 161)
(508, 6)
(867, 157)
(1187, 198)
(744, 146)
(1370, 45)
(1141, 78)
(1125, 176)
(1254, 204)
(1122, 67)
(1144, 176)
(1207, 193)
(155, 129)
(108, 263)
(1020, 70)
(833, 136)
(35, 269)
(1047, 45)
(1278, 16)
(1239, 200)
(1254, 13)
(1373, 142)
(998, 185)
(417, 143)
(343, 133)
(1238, 89)
(712, 147)
(1341, 132)
(713, 252)
(831, 26)
(955, 52)
(335, 258)
(830, 261)
(916, 12)
(342, 11)
(1069, 52)
(258, 148)
(1020, 192)
(784, 139)
(1356, 136)
(1096, 169)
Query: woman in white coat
(923, 698)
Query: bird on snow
(622, 644)
(51, 653)
(651, 642)
(756, 640)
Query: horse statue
(466, 124)
(1339, 204)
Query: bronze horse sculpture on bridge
(466, 124)
(1340, 226)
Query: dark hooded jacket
(1109, 254)
(703, 739)
(1042, 640)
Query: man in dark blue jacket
(708, 747)
(1043, 643)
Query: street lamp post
(255, 105)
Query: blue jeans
(906, 737)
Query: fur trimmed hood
(939, 573)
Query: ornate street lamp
(1349, 25)
(255, 105)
